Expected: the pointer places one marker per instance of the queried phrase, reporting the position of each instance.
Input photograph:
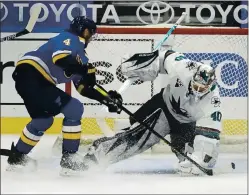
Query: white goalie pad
(142, 65)
(207, 150)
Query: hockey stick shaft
(171, 30)
(5, 152)
(31, 23)
(129, 81)
(13, 36)
(206, 171)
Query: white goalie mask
(203, 81)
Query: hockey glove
(89, 79)
(114, 107)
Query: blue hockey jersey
(44, 58)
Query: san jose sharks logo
(178, 83)
(191, 65)
(176, 107)
(215, 101)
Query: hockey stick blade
(33, 18)
(31, 23)
(209, 172)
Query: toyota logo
(4, 11)
(153, 8)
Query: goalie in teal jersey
(62, 59)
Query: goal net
(224, 48)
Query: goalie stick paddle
(105, 94)
(33, 18)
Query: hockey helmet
(80, 23)
(203, 81)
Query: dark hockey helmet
(80, 23)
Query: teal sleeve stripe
(208, 132)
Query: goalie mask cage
(225, 49)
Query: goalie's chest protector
(180, 104)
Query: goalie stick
(105, 94)
(105, 128)
(31, 23)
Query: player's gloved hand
(114, 107)
(89, 78)
(186, 167)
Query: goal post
(226, 49)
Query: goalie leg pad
(207, 150)
(205, 154)
(182, 135)
(131, 142)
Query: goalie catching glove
(142, 65)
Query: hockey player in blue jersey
(62, 59)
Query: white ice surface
(144, 174)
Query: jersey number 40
(216, 116)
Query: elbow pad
(70, 64)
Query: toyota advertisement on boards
(56, 15)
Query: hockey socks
(32, 134)
(71, 138)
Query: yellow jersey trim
(59, 56)
(38, 67)
(82, 40)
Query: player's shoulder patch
(178, 83)
(215, 97)
(191, 65)
(215, 101)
